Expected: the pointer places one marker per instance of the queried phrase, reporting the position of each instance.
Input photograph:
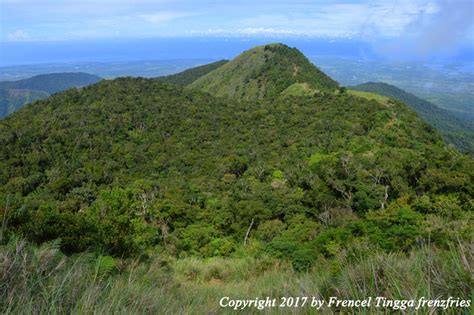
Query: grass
(298, 89)
(369, 96)
(42, 280)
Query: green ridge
(16, 94)
(190, 75)
(455, 130)
(263, 72)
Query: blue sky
(398, 26)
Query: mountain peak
(264, 72)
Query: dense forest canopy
(133, 165)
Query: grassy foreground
(42, 280)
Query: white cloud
(266, 31)
(374, 19)
(377, 18)
(70, 19)
(18, 36)
(390, 19)
(436, 28)
(162, 17)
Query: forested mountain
(15, 94)
(265, 72)
(455, 130)
(13, 99)
(132, 166)
(189, 76)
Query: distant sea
(209, 48)
(23, 53)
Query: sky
(392, 27)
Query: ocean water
(21, 53)
(209, 48)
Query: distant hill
(189, 76)
(265, 72)
(15, 94)
(454, 129)
(13, 99)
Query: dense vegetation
(189, 76)
(15, 94)
(455, 130)
(324, 180)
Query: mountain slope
(13, 99)
(53, 82)
(264, 72)
(129, 166)
(455, 130)
(15, 94)
(189, 76)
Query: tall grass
(42, 280)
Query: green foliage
(369, 95)
(42, 280)
(266, 72)
(298, 90)
(278, 174)
(454, 129)
(318, 159)
(104, 265)
(268, 230)
(130, 167)
(397, 227)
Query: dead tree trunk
(248, 231)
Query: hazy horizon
(34, 32)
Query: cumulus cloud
(395, 25)
(452, 23)
(436, 28)
(374, 19)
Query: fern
(104, 265)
